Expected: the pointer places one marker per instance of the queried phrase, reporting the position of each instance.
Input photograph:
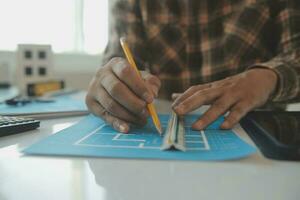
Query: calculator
(12, 125)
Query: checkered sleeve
(125, 20)
(287, 63)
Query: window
(42, 55)
(28, 70)
(42, 71)
(72, 26)
(27, 54)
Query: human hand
(118, 95)
(237, 94)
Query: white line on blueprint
(196, 136)
(88, 135)
(196, 148)
(205, 140)
(194, 142)
(116, 138)
(104, 133)
(118, 147)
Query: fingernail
(123, 128)
(148, 97)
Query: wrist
(271, 78)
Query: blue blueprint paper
(92, 137)
(61, 104)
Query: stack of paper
(62, 106)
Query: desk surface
(31, 177)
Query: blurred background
(77, 31)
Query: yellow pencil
(150, 106)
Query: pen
(150, 106)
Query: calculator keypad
(12, 125)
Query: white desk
(31, 177)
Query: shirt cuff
(288, 82)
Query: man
(234, 55)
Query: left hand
(237, 94)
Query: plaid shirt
(188, 42)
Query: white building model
(34, 65)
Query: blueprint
(93, 138)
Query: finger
(123, 95)
(175, 96)
(114, 108)
(189, 92)
(132, 79)
(218, 108)
(196, 100)
(195, 88)
(236, 113)
(98, 110)
(154, 90)
(149, 78)
(152, 82)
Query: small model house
(34, 65)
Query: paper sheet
(93, 138)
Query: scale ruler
(174, 135)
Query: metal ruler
(174, 135)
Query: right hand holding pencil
(119, 96)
